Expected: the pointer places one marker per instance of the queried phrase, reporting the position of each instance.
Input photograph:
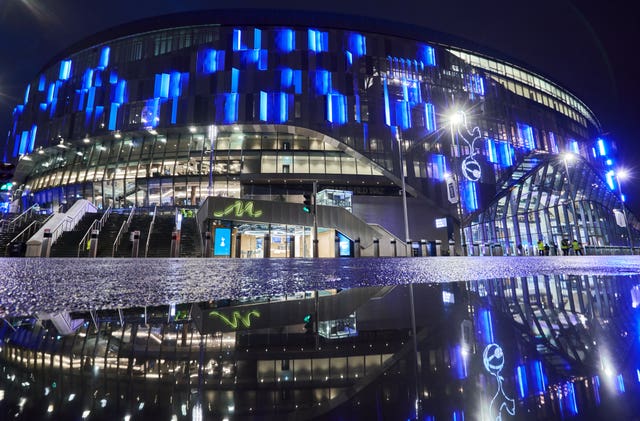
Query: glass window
(301, 142)
(348, 165)
(222, 143)
(285, 163)
(315, 144)
(333, 164)
(252, 141)
(269, 141)
(363, 167)
(301, 163)
(268, 163)
(316, 164)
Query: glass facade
(553, 199)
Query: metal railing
(27, 232)
(124, 228)
(96, 225)
(10, 226)
(153, 220)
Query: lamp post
(213, 134)
(404, 193)
(623, 175)
(414, 334)
(456, 118)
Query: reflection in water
(538, 347)
(493, 359)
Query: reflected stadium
(537, 347)
(382, 118)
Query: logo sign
(236, 318)
(493, 359)
(222, 245)
(239, 209)
(441, 222)
(470, 167)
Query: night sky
(589, 47)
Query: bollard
(46, 243)
(292, 245)
(266, 247)
(394, 249)
(356, 247)
(93, 243)
(438, 248)
(175, 244)
(207, 244)
(376, 247)
(135, 238)
(423, 248)
(475, 249)
(238, 246)
(452, 248)
(408, 248)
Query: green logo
(239, 210)
(237, 317)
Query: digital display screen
(345, 245)
(222, 244)
(441, 222)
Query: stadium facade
(260, 105)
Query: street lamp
(456, 119)
(568, 156)
(622, 174)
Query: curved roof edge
(272, 17)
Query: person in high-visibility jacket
(577, 247)
(540, 248)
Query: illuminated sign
(470, 167)
(222, 244)
(239, 209)
(237, 318)
(493, 359)
(344, 245)
(441, 222)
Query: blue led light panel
(26, 93)
(210, 61)
(104, 58)
(285, 40)
(357, 44)
(426, 54)
(318, 41)
(65, 70)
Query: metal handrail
(123, 228)
(12, 223)
(153, 220)
(29, 230)
(96, 224)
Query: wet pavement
(35, 284)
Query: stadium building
(403, 132)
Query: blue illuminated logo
(493, 359)
(470, 167)
(222, 246)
